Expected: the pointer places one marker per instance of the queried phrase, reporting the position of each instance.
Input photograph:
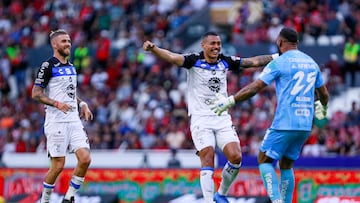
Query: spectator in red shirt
(103, 49)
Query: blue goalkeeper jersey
(296, 75)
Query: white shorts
(65, 137)
(212, 131)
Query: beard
(64, 52)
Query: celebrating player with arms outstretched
(207, 71)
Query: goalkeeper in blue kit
(297, 79)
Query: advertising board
(145, 185)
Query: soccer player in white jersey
(55, 87)
(298, 81)
(207, 72)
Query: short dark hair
(56, 33)
(289, 34)
(210, 33)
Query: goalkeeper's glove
(222, 103)
(320, 110)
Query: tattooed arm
(249, 90)
(38, 95)
(223, 103)
(257, 61)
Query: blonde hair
(56, 33)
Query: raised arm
(257, 61)
(164, 54)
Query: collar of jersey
(220, 65)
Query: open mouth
(215, 51)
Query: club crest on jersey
(214, 84)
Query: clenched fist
(148, 46)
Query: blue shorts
(279, 143)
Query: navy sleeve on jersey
(43, 75)
(234, 62)
(190, 60)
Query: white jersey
(59, 81)
(205, 80)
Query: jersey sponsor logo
(301, 105)
(71, 91)
(302, 112)
(300, 60)
(40, 77)
(39, 81)
(63, 71)
(303, 99)
(221, 65)
(214, 84)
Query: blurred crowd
(138, 101)
(323, 22)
